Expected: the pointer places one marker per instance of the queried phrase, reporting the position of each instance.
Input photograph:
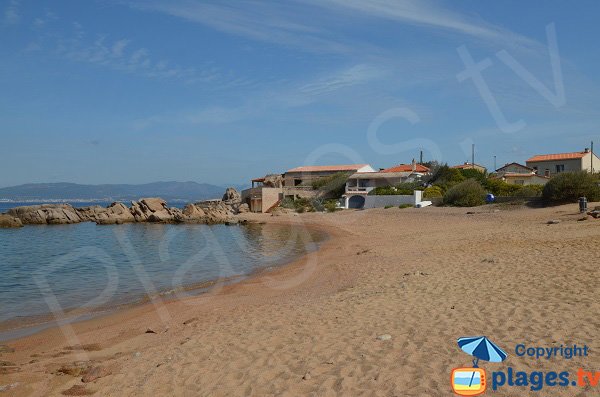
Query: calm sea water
(83, 267)
(5, 206)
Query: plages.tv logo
(471, 381)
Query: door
(356, 202)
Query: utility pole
(473, 156)
(421, 158)
(495, 168)
(592, 157)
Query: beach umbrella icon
(482, 348)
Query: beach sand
(423, 276)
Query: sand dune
(423, 276)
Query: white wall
(393, 200)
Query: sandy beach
(422, 276)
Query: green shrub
(528, 191)
(401, 189)
(472, 173)
(466, 194)
(332, 185)
(401, 206)
(569, 186)
(433, 192)
(383, 191)
(331, 205)
(388, 206)
(500, 188)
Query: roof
(380, 175)
(258, 179)
(407, 168)
(558, 156)
(467, 165)
(517, 175)
(326, 168)
(517, 164)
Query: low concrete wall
(393, 200)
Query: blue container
(490, 198)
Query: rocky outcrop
(9, 221)
(50, 214)
(145, 210)
(273, 180)
(116, 213)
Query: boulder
(52, 214)
(116, 213)
(154, 204)
(9, 221)
(273, 180)
(243, 208)
(232, 196)
(193, 212)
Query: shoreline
(313, 327)
(18, 328)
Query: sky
(132, 91)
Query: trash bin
(490, 198)
(582, 204)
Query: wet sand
(423, 276)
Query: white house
(552, 164)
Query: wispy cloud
(11, 13)
(357, 74)
(428, 14)
(280, 23)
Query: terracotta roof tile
(557, 156)
(407, 168)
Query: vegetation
(388, 206)
(469, 193)
(401, 206)
(433, 192)
(569, 186)
(331, 205)
(401, 189)
(333, 185)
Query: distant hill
(189, 191)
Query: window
(535, 170)
(297, 182)
(560, 168)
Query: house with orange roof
(360, 184)
(470, 166)
(553, 164)
(519, 174)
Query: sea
(55, 273)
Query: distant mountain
(189, 191)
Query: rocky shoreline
(153, 210)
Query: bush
(331, 205)
(529, 191)
(401, 189)
(401, 206)
(500, 188)
(433, 192)
(466, 194)
(332, 185)
(569, 186)
(388, 206)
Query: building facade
(553, 164)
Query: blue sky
(130, 91)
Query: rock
(273, 180)
(8, 387)
(384, 337)
(10, 221)
(232, 196)
(553, 222)
(150, 331)
(307, 376)
(95, 373)
(190, 321)
(193, 212)
(154, 204)
(7, 367)
(77, 390)
(51, 214)
(116, 213)
(594, 214)
(243, 208)
(75, 369)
